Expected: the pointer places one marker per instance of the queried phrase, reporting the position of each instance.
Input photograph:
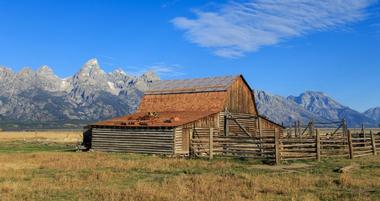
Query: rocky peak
(5, 72)
(150, 76)
(45, 71)
(91, 69)
(119, 71)
(313, 100)
(26, 72)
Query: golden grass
(53, 136)
(58, 174)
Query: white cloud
(166, 70)
(240, 27)
(162, 69)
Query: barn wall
(206, 101)
(239, 98)
(211, 121)
(131, 140)
(266, 124)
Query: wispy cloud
(162, 69)
(244, 26)
(169, 3)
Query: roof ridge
(208, 84)
(209, 77)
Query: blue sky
(282, 47)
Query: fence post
(277, 145)
(211, 143)
(318, 144)
(350, 148)
(312, 128)
(363, 131)
(344, 127)
(373, 143)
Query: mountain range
(312, 105)
(40, 99)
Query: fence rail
(276, 147)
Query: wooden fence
(275, 147)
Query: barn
(172, 112)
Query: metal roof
(155, 119)
(192, 85)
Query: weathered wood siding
(268, 124)
(239, 98)
(181, 141)
(152, 141)
(211, 121)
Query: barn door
(239, 124)
(186, 140)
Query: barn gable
(240, 97)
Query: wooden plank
(361, 155)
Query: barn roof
(155, 119)
(209, 84)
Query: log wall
(151, 141)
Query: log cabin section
(171, 110)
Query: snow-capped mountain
(91, 94)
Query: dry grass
(54, 172)
(50, 136)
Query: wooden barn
(172, 111)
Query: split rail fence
(276, 147)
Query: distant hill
(373, 113)
(40, 99)
(310, 105)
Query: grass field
(45, 169)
